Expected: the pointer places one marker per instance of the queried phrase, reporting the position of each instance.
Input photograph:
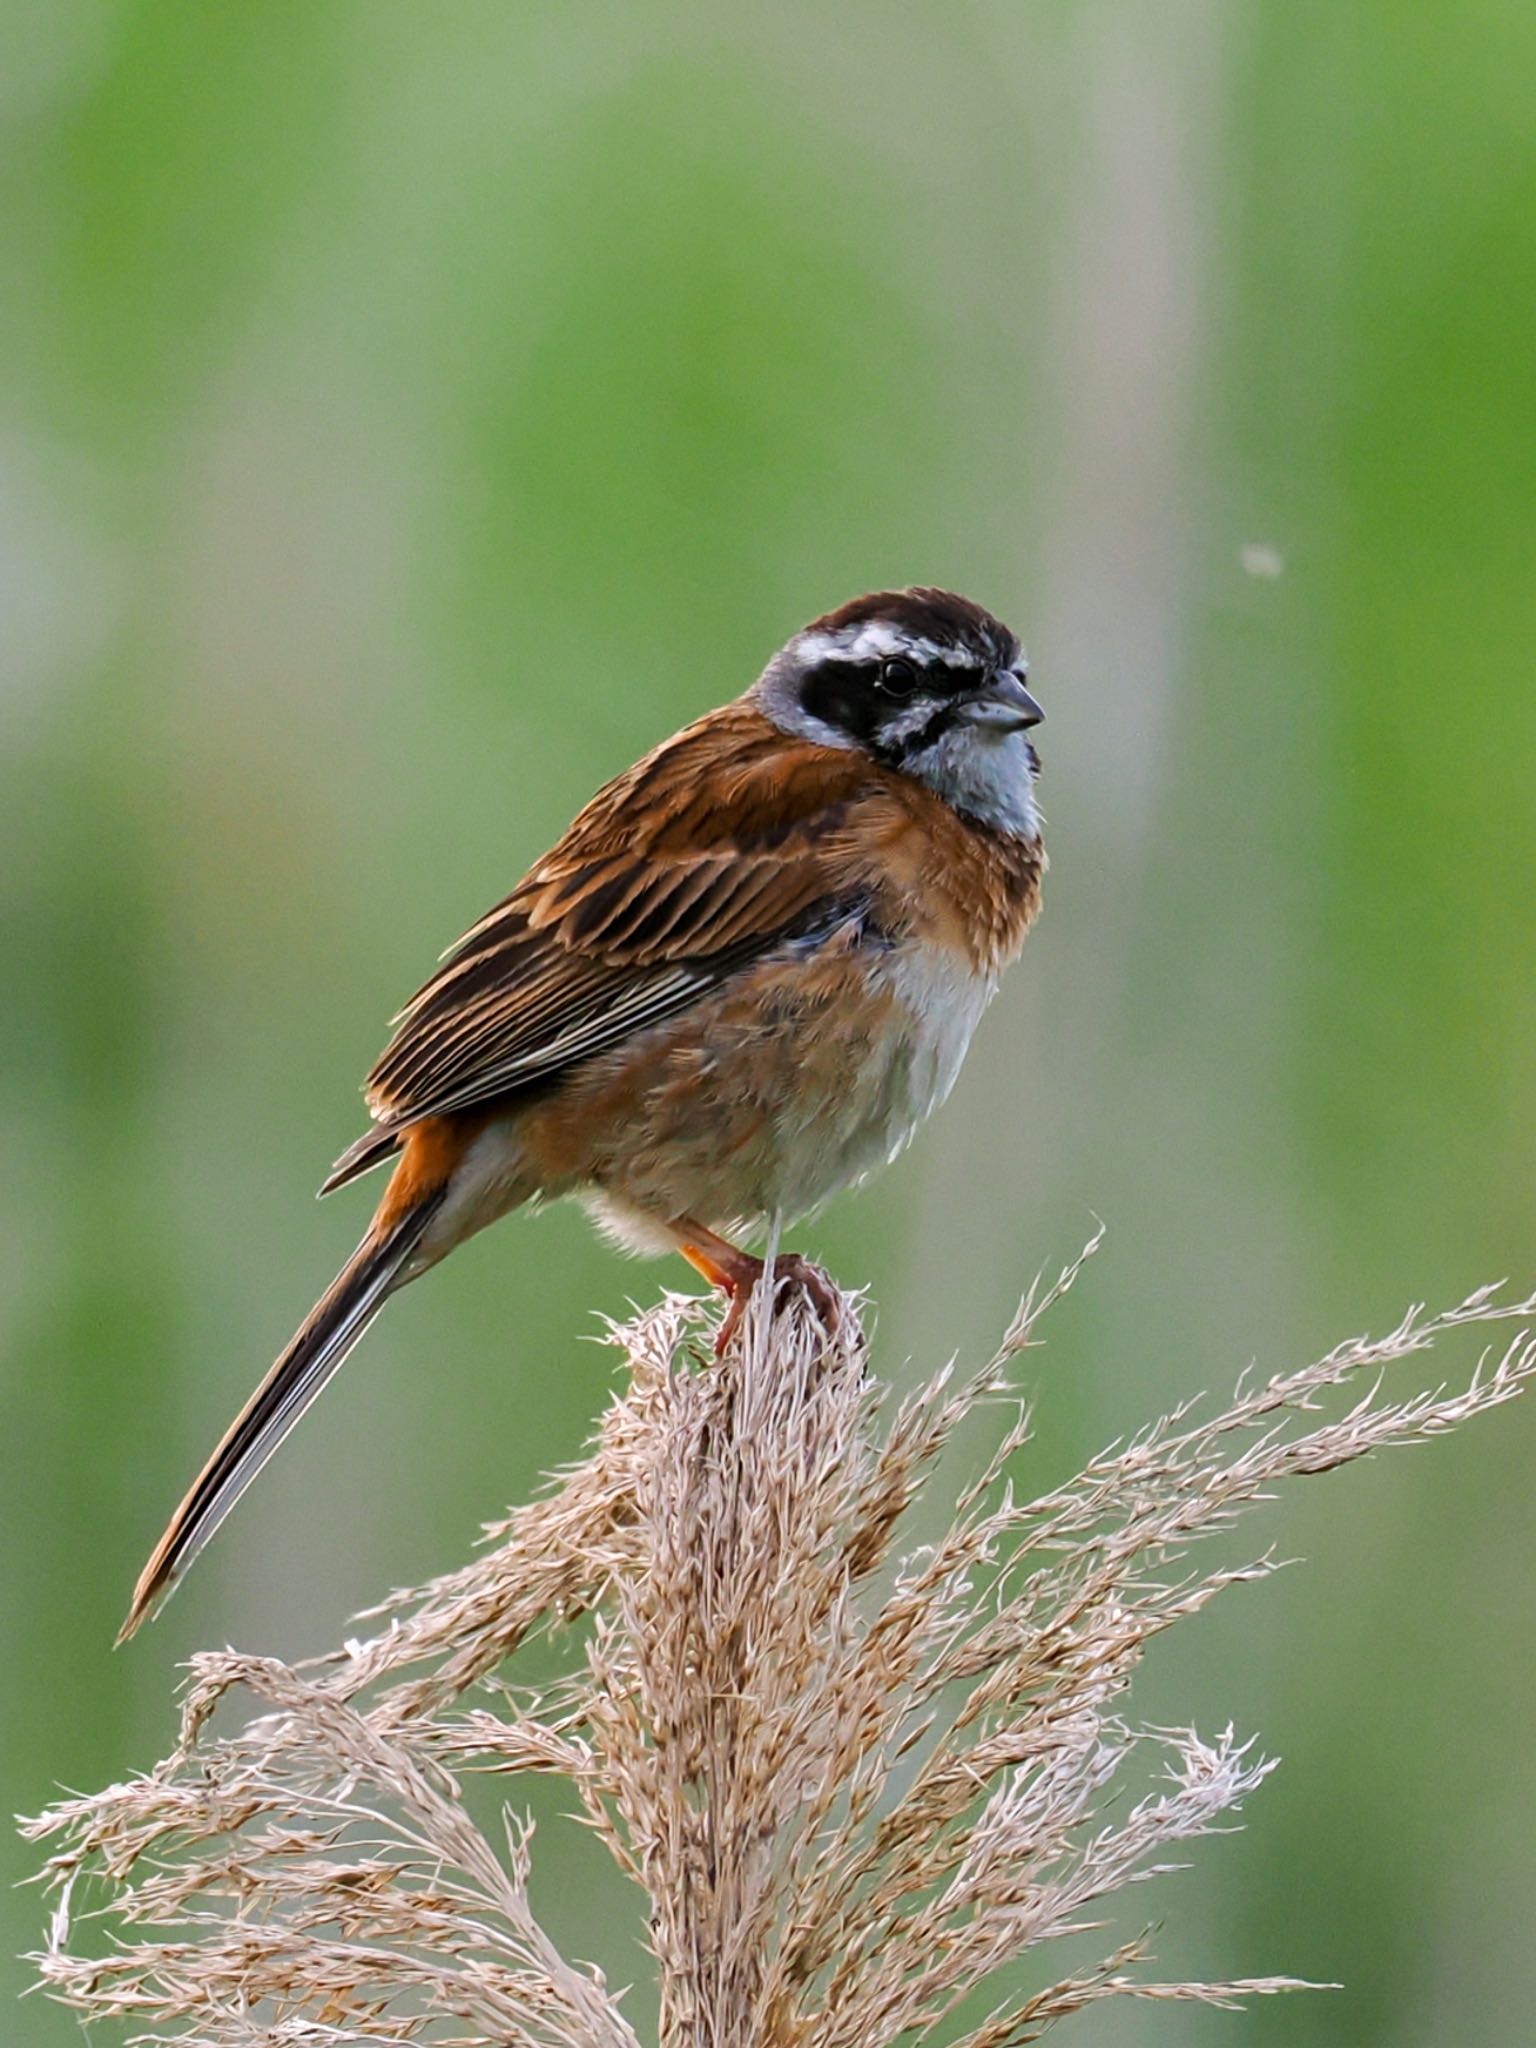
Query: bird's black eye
(898, 678)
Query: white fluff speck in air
(1258, 558)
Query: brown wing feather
(714, 849)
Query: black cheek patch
(842, 694)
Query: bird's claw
(792, 1274)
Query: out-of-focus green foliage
(411, 414)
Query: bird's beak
(1003, 705)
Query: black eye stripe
(937, 678)
(856, 698)
(952, 678)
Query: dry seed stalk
(855, 1778)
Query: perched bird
(740, 981)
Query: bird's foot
(792, 1274)
(736, 1273)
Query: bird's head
(930, 685)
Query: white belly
(768, 1099)
(830, 1144)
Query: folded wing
(725, 844)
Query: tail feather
(362, 1156)
(314, 1355)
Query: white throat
(989, 775)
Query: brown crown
(942, 616)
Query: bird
(736, 985)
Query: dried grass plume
(853, 1775)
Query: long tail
(333, 1326)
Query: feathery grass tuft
(855, 1777)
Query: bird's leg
(724, 1265)
(736, 1273)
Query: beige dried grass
(854, 1777)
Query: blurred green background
(409, 415)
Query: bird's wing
(726, 842)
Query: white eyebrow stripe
(878, 638)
